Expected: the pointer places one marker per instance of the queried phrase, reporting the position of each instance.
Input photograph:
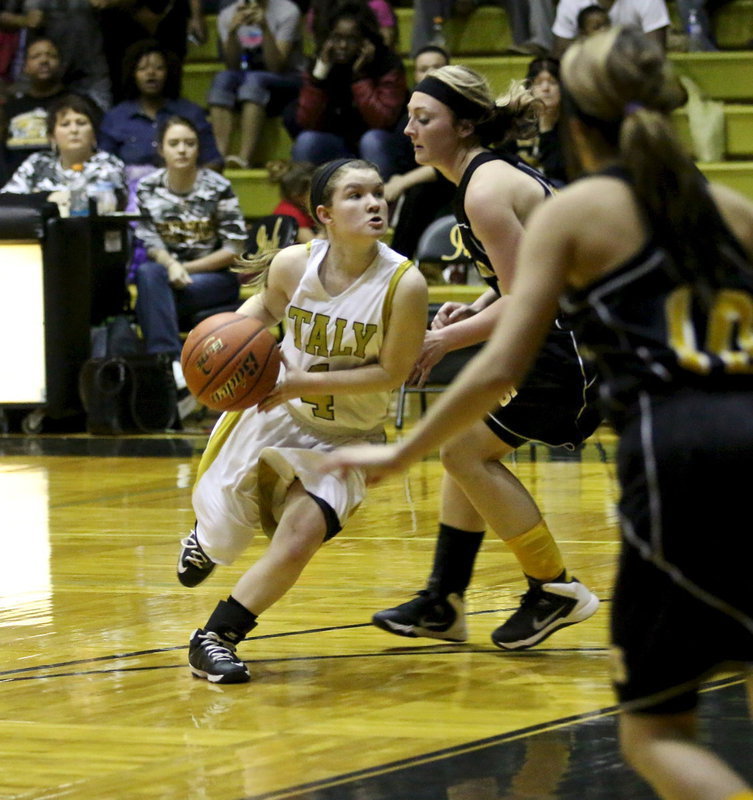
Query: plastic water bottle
(696, 36)
(79, 191)
(107, 201)
(438, 38)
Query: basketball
(230, 361)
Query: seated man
(75, 29)
(23, 120)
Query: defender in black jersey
(449, 128)
(655, 268)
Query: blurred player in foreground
(654, 267)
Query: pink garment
(382, 11)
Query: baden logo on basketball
(236, 384)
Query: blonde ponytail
(254, 267)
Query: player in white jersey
(354, 312)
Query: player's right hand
(378, 461)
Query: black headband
(454, 100)
(609, 128)
(321, 179)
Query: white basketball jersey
(342, 332)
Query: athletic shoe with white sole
(213, 658)
(194, 565)
(545, 608)
(428, 614)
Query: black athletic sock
(534, 582)
(231, 620)
(454, 557)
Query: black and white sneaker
(194, 565)
(428, 614)
(213, 658)
(187, 403)
(545, 608)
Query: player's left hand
(293, 382)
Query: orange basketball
(230, 361)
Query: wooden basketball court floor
(97, 702)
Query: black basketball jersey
(470, 242)
(648, 331)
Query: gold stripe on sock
(747, 794)
(538, 553)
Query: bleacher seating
(480, 41)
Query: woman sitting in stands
(193, 231)
(353, 96)
(72, 128)
(151, 85)
(544, 151)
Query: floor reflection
(563, 760)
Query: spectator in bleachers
(15, 24)
(294, 180)
(151, 85)
(353, 96)
(425, 193)
(544, 151)
(171, 22)
(193, 231)
(320, 10)
(263, 56)
(429, 17)
(530, 25)
(530, 22)
(23, 118)
(651, 16)
(74, 27)
(591, 20)
(72, 128)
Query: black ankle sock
(534, 582)
(231, 620)
(454, 557)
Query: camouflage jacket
(192, 225)
(43, 172)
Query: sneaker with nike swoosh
(545, 608)
(429, 615)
